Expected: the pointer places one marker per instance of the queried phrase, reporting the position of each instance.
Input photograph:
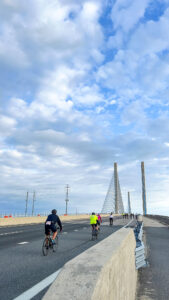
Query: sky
(83, 84)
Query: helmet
(54, 211)
(93, 213)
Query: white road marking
(22, 243)
(64, 232)
(7, 233)
(36, 289)
(76, 230)
(127, 224)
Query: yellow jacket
(93, 219)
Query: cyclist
(99, 220)
(93, 221)
(50, 225)
(111, 219)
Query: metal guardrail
(140, 249)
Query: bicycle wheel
(45, 247)
(94, 234)
(55, 246)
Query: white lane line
(76, 230)
(22, 243)
(64, 232)
(127, 224)
(36, 289)
(7, 233)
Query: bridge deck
(154, 280)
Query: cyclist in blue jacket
(50, 224)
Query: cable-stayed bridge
(113, 201)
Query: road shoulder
(153, 281)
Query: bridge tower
(129, 204)
(113, 201)
(143, 189)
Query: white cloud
(17, 108)
(134, 113)
(99, 109)
(151, 37)
(12, 55)
(116, 41)
(7, 125)
(78, 94)
(126, 13)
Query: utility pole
(129, 205)
(143, 189)
(67, 196)
(33, 202)
(26, 207)
(116, 189)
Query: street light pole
(143, 189)
(26, 207)
(33, 203)
(67, 196)
(129, 204)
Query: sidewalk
(153, 281)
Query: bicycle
(94, 233)
(48, 245)
(98, 226)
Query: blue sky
(83, 84)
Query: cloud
(151, 37)
(7, 125)
(159, 128)
(44, 36)
(84, 84)
(13, 56)
(126, 13)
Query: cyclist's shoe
(53, 242)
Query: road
(22, 264)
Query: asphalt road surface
(22, 264)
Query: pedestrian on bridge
(111, 219)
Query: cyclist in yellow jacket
(94, 221)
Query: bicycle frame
(94, 232)
(47, 244)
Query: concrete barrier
(105, 271)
